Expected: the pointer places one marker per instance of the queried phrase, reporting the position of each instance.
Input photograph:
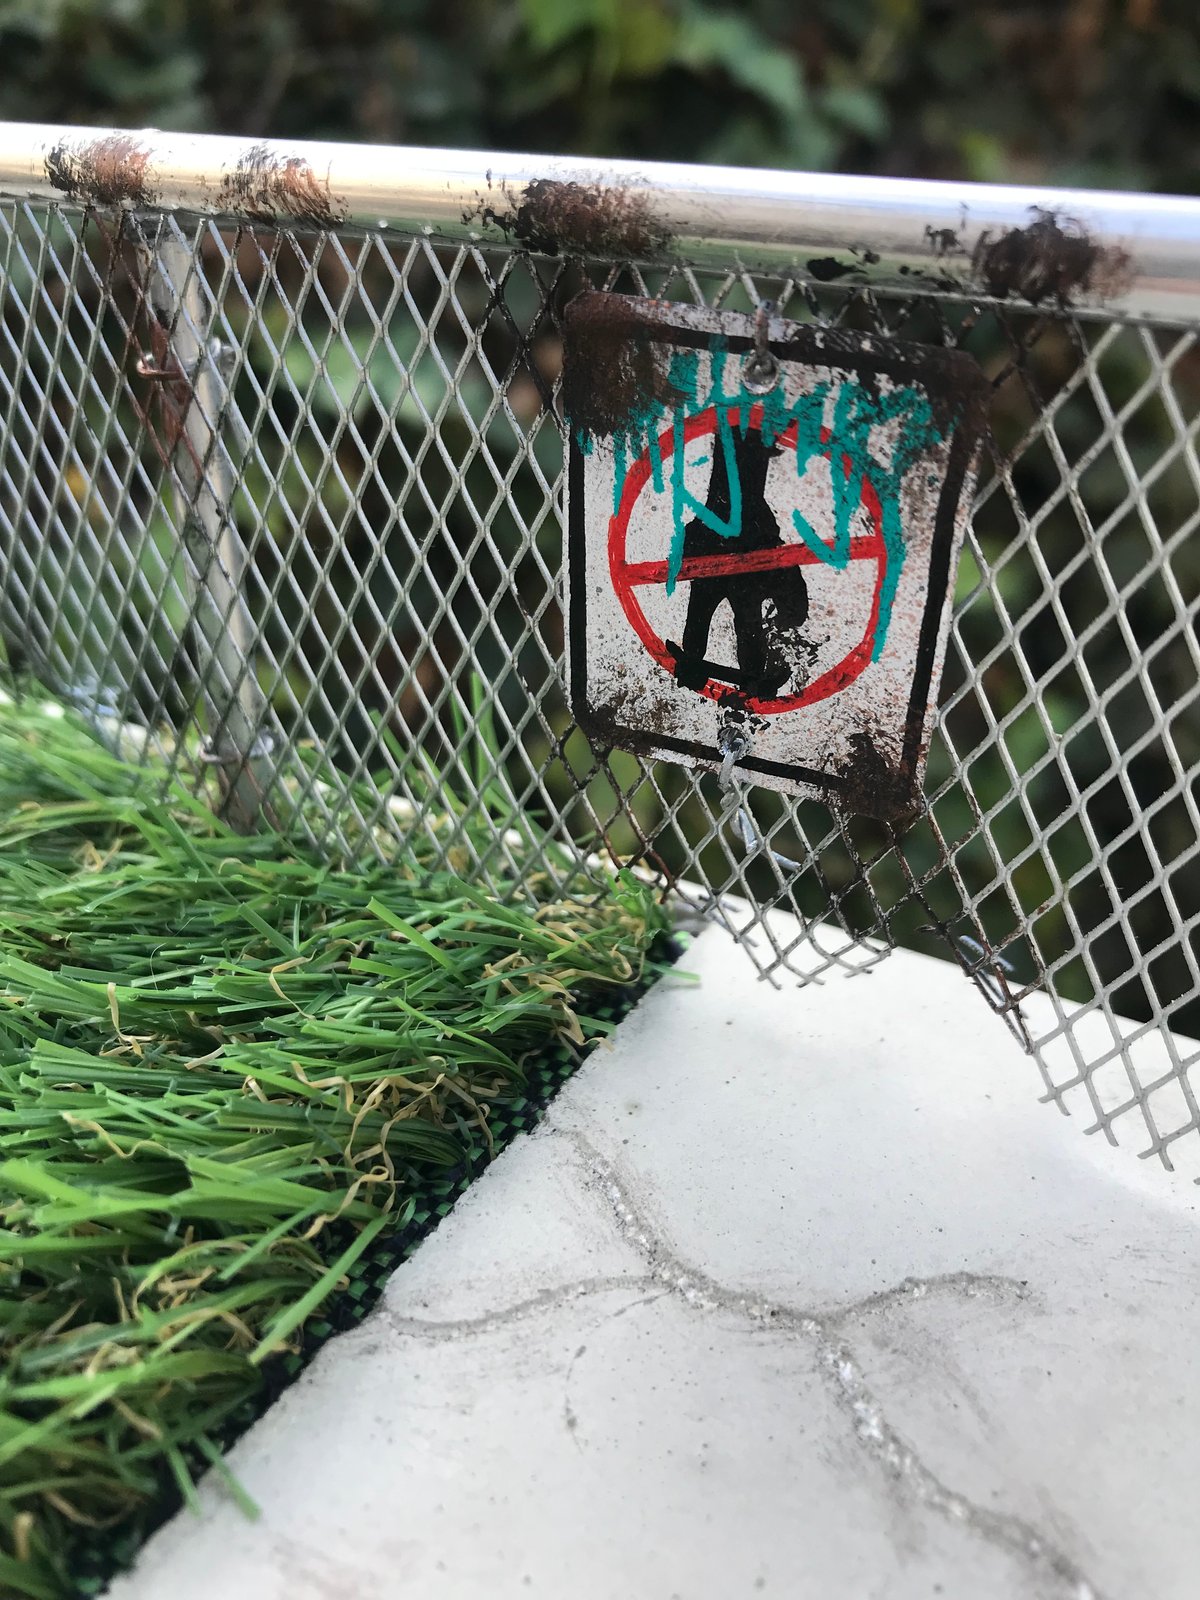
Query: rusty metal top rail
(1129, 254)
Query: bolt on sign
(763, 525)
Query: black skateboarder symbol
(762, 667)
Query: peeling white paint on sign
(763, 530)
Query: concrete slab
(796, 1293)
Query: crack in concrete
(874, 1432)
(958, 1285)
(823, 1328)
(520, 1311)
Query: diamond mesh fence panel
(284, 509)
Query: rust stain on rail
(1054, 257)
(108, 171)
(273, 188)
(558, 217)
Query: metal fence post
(214, 555)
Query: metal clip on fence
(760, 370)
(261, 746)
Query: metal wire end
(262, 745)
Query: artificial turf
(234, 1080)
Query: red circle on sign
(628, 576)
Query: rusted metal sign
(764, 521)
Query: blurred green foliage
(1100, 92)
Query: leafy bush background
(1075, 91)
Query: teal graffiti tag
(858, 412)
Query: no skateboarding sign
(763, 524)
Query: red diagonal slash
(865, 547)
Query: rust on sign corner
(108, 171)
(1053, 257)
(622, 375)
(557, 217)
(271, 188)
(871, 786)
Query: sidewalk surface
(795, 1293)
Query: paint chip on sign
(777, 563)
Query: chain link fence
(280, 504)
